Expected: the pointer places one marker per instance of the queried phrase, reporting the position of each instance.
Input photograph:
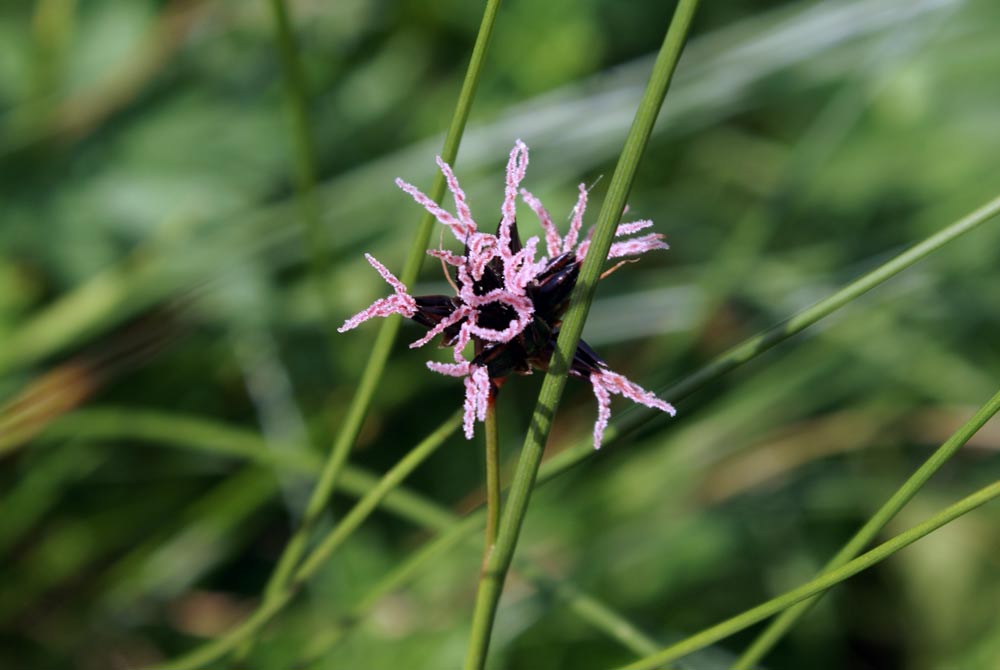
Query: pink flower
(510, 304)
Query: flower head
(510, 304)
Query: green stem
(492, 476)
(767, 639)
(212, 651)
(494, 573)
(818, 585)
(375, 366)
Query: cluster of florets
(509, 304)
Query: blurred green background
(159, 317)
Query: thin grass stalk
(358, 409)
(818, 585)
(213, 651)
(494, 573)
(492, 476)
(770, 636)
(363, 509)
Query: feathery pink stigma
(477, 397)
(461, 205)
(444, 323)
(449, 369)
(521, 268)
(603, 409)
(637, 245)
(517, 165)
(632, 247)
(449, 257)
(553, 240)
(390, 278)
(482, 249)
(577, 221)
(632, 227)
(458, 349)
(400, 303)
(522, 306)
(459, 229)
(606, 382)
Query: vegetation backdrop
(181, 231)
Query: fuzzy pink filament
(400, 303)
(606, 382)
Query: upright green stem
(818, 585)
(770, 636)
(495, 571)
(492, 476)
(361, 401)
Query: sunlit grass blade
(494, 572)
(816, 586)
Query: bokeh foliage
(159, 323)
